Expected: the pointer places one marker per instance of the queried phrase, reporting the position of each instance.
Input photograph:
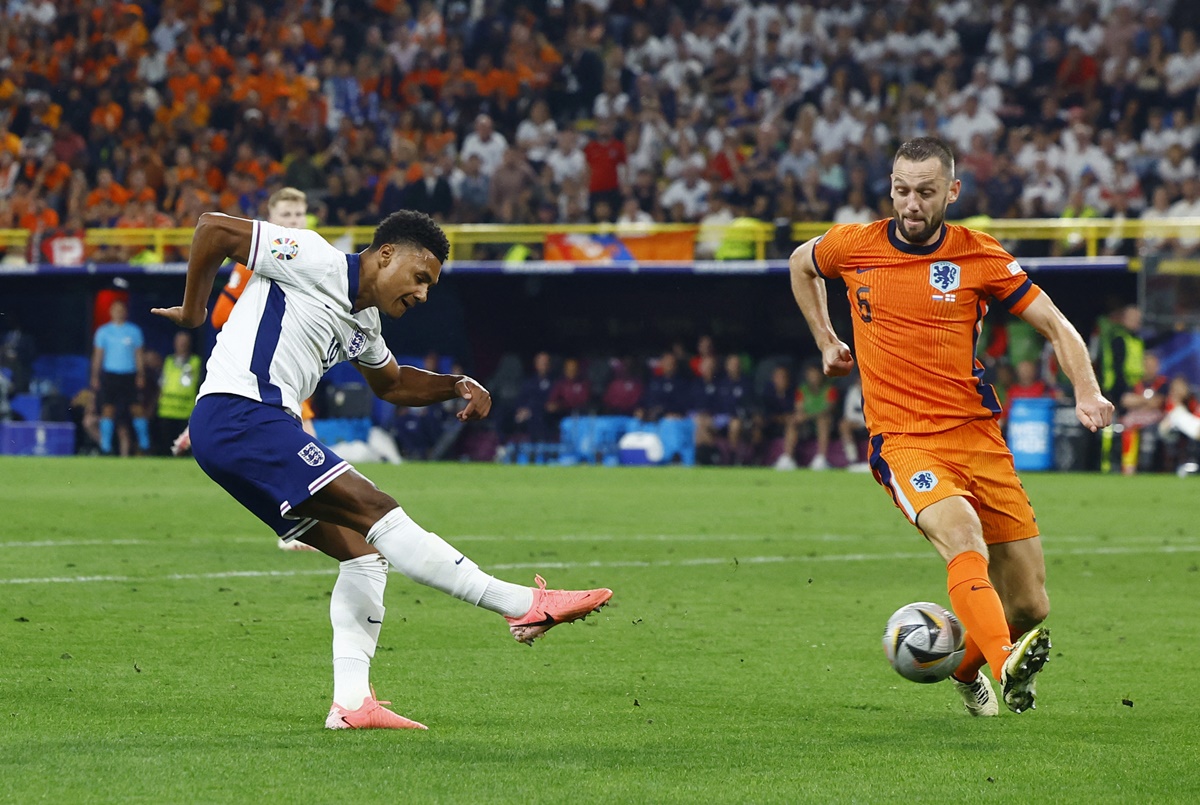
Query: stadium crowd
(146, 114)
(541, 111)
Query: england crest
(313, 456)
(944, 275)
(357, 342)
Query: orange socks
(978, 607)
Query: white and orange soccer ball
(924, 642)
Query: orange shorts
(970, 460)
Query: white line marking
(72, 543)
(266, 539)
(695, 562)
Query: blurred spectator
(623, 395)
(778, 402)
(606, 157)
(1180, 427)
(529, 418)
(1142, 407)
(17, 352)
(178, 384)
(569, 396)
(1117, 351)
(735, 409)
(815, 400)
(853, 426)
(1188, 206)
(704, 407)
(486, 143)
(668, 393)
(1028, 384)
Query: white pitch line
(72, 543)
(794, 539)
(695, 562)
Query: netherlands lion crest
(923, 481)
(944, 275)
(312, 455)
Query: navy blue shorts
(261, 455)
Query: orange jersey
(229, 295)
(917, 312)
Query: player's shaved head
(921, 149)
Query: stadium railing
(464, 238)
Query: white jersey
(293, 322)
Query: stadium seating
(334, 430)
(67, 373)
(26, 407)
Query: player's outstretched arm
(217, 238)
(410, 386)
(809, 289)
(1092, 408)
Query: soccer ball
(924, 642)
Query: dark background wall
(480, 317)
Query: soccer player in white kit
(306, 307)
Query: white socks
(356, 612)
(428, 559)
(356, 606)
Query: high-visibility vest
(741, 239)
(180, 382)
(1135, 350)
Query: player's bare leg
(1018, 569)
(355, 503)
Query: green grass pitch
(156, 647)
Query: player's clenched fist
(837, 360)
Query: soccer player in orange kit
(919, 289)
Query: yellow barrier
(464, 236)
(1091, 230)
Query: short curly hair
(416, 228)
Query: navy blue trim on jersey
(817, 265)
(252, 258)
(1016, 296)
(883, 473)
(265, 343)
(353, 269)
(908, 248)
(987, 394)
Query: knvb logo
(944, 275)
(923, 481)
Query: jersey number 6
(864, 304)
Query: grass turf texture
(740, 662)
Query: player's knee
(375, 504)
